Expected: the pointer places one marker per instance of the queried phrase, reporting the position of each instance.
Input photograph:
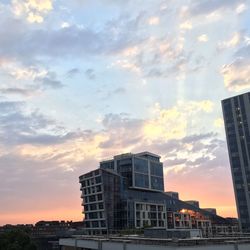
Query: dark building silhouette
(236, 112)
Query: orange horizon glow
(32, 218)
(226, 210)
(75, 215)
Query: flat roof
(124, 155)
(163, 241)
(148, 153)
(235, 96)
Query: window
(96, 172)
(98, 179)
(103, 223)
(157, 183)
(153, 223)
(93, 215)
(92, 198)
(87, 223)
(107, 165)
(95, 224)
(98, 188)
(140, 165)
(88, 175)
(141, 180)
(156, 169)
(93, 207)
(138, 206)
(152, 207)
(138, 224)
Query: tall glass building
(236, 112)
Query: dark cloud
(208, 152)
(200, 7)
(52, 83)
(113, 93)
(175, 162)
(60, 43)
(9, 107)
(72, 72)
(178, 62)
(243, 52)
(122, 131)
(119, 91)
(90, 74)
(194, 138)
(18, 127)
(49, 81)
(18, 91)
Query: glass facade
(156, 172)
(130, 196)
(236, 112)
(140, 165)
(148, 173)
(157, 183)
(141, 180)
(107, 165)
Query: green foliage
(16, 240)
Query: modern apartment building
(127, 192)
(236, 112)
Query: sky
(81, 81)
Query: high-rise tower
(236, 112)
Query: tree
(16, 240)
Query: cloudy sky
(83, 80)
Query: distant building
(173, 194)
(210, 210)
(194, 203)
(127, 192)
(236, 112)
(46, 234)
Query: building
(194, 203)
(127, 193)
(210, 210)
(135, 243)
(173, 194)
(236, 112)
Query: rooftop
(230, 240)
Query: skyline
(81, 81)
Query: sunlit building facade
(236, 111)
(127, 192)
